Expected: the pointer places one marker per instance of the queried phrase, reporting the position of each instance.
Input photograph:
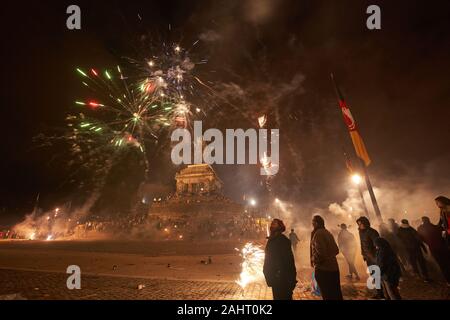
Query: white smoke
(397, 200)
(349, 209)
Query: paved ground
(52, 286)
(168, 270)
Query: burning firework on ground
(252, 266)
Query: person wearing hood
(367, 237)
(387, 260)
(279, 265)
(443, 204)
(432, 235)
(323, 252)
(347, 245)
(413, 245)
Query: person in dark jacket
(367, 237)
(323, 252)
(279, 265)
(396, 244)
(443, 204)
(393, 226)
(390, 269)
(432, 235)
(384, 230)
(347, 245)
(413, 245)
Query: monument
(199, 179)
(198, 208)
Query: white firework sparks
(252, 266)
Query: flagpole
(366, 173)
(363, 201)
(371, 193)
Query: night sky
(272, 57)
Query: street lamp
(252, 203)
(278, 205)
(356, 178)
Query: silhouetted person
(294, 240)
(396, 243)
(432, 235)
(384, 230)
(347, 245)
(323, 252)
(279, 266)
(367, 237)
(390, 269)
(413, 245)
(443, 204)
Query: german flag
(358, 142)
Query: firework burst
(122, 114)
(169, 74)
(125, 114)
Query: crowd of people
(138, 226)
(396, 251)
(7, 233)
(247, 227)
